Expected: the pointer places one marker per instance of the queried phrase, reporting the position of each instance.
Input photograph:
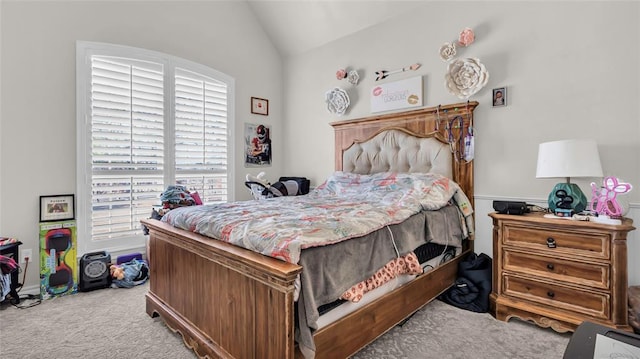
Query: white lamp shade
(568, 158)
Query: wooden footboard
(225, 301)
(228, 302)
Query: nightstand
(559, 272)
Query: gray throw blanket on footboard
(329, 271)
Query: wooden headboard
(447, 123)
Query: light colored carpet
(112, 323)
(442, 331)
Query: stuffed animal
(116, 272)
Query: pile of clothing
(7, 266)
(174, 196)
(178, 196)
(129, 274)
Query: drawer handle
(551, 294)
(551, 243)
(550, 266)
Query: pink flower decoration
(466, 37)
(340, 74)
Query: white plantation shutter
(127, 132)
(201, 135)
(146, 120)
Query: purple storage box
(128, 257)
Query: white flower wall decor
(447, 51)
(337, 101)
(465, 77)
(353, 77)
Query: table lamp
(568, 158)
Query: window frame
(84, 51)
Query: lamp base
(567, 196)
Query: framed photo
(260, 106)
(57, 208)
(499, 97)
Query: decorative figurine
(604, 200)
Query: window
(146, 120)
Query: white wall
(571, 71)
(37, 57)
(570, 68)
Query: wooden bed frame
(229, 302)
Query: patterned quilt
(345, 206)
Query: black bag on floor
(472, 287)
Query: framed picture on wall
(57, 208)
(257, 139)
(499, 97)
(260, 106)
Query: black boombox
(510, 207)
(94, 271)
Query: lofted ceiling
(296, 26)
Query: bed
(230, 302)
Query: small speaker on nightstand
(94, 271)
(510, 207)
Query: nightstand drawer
(594, 275)
(548, 242)
(558, 297)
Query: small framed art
(57, 208)
(499, 97)
(260, 106)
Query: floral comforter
(345, 206)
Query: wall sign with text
(396, 95)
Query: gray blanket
(329, 271)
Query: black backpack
(472, 287)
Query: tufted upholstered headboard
(398, 150)
(411, 141)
